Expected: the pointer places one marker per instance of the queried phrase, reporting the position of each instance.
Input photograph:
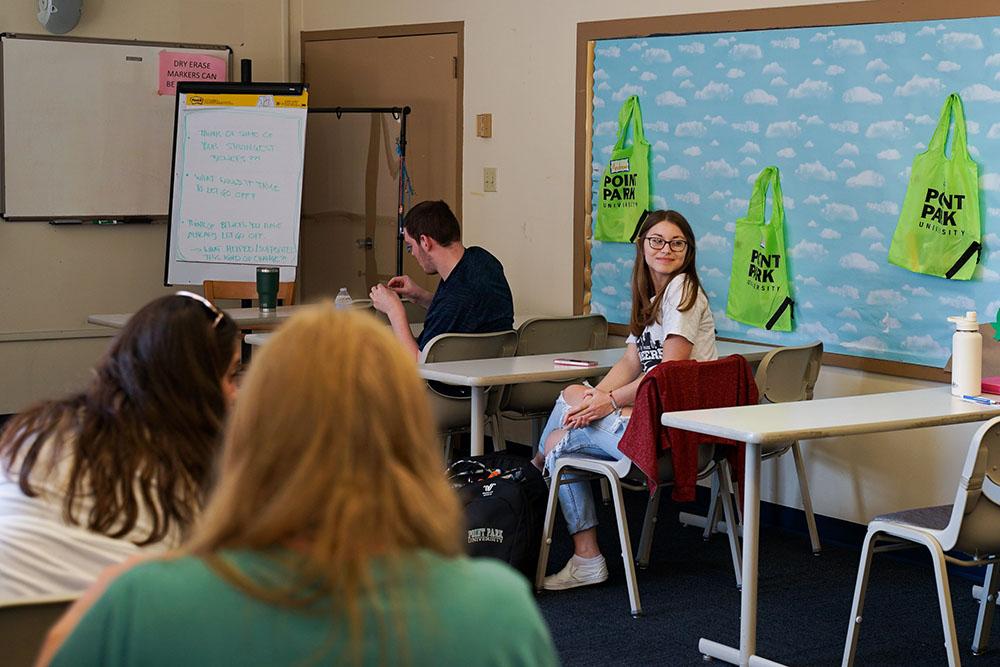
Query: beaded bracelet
(611, 395)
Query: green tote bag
(939, 231)
(624, 186)
(759, 291)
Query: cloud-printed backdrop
(841, 111)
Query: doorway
(350, 191)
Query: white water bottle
(966, 356)
(343, 299)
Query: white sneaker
(574, 575)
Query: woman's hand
(594, 405)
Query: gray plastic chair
(548, 335)
(23, 627)
(970, 525)
(450, 412)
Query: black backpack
(504, 498)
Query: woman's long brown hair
(145, 432)
(645, 298)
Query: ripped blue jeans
(599, 441)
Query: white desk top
(511, 370)
(848, 415)
(244, 317)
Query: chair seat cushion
(932, 518)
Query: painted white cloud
(885, 297)
(866, 179)
(877, 247)
(847, 126)
(835, 70)
(656, 55)
(809, 281)
(888, 129)
(714, 91)
(877, 65)
(815, 171)
(659, 159)
(817, 330)
(822, 36)
(990, 182)
(980, 93)
(775, 68)
(923, 345)
(848, 291)
(840, 212)
(610, 290)
(659, 202)
(889, 154)
(688, 197)
(606, 128)
(846, 47)
(787, 152)
(858, 262)
(749, 147)
(658, 126)
(829, 234)
(872, 233)
(849, 313)
(714, 120)
(723, 323)
(847, 148)
(693, 151)
(948, 66)
(846, 164)
(627, 91)
(806, 249)
(735, 73)
(778, 81)
(811, 88)
(922, 119)
(669, 98)
(848, 328)
(883, 78)
(686, 83)
(993, 61)
(748, 162)
(787, 43)
(711, 242)
(637, 46)
(746, 52)
(965, 41)
(958, 302)
(610, 52)
(661, 146)
(759, 96)
(861, 95)
(647, 76)
(868, 343)
(682, 71)
(813, 199)
(692, 128)
(719, 194)
(811, 120)
(598, 103)
(719, 168)
(888, 207)
(784, 128)
(919, 85)
(746, 126)
(674, 173)
(894, 37)
(987, 275)
(927, 31)
(601, 74)
(693, 47)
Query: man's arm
(385, 300)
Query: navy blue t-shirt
(474, 299)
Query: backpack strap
(787, 303)
(974, 247)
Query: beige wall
(519, 66)
(51, 278)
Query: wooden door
(350, 190)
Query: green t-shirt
(456, 611)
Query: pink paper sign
(176, 67)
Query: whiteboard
(236, 181)
(85, 133)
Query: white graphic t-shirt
(695, 324)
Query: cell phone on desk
(574, 362)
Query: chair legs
(943, 590)
(987, 605)
(807, 505)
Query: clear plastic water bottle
(343, 299)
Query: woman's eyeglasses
(205, 302)
(657, 243)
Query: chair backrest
(788, 374)
(974, 527)
(231, 289)
(23, 627)
(462, 346)
(545, 335)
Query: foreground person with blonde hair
(332, 536)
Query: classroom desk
(780, 423)
(481, 373)
(245, 318)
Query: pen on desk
(979, 399)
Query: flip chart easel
(236, 181)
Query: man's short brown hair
(435, 220)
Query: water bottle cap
(968, 323)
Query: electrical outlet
(489, 179)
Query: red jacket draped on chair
(684, 385)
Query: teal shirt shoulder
(455, 611)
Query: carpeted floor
(689, 592)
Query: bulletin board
(841, 110)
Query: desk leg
(478, 410)
(751, 543)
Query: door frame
(413, 30)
